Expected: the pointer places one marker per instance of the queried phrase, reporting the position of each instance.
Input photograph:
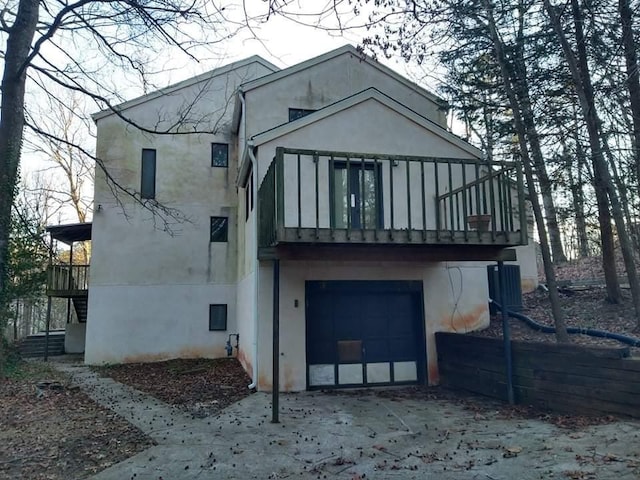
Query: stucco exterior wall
(368, 127)
(455, 299)
(74, 337)
(148, 323)
(151, 289)
(324, 84)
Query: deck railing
(341, 197)
(67, 280)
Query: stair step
(34, 345)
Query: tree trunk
(14, 76)
(558, 317)
(633, 78)
(620, 185)
(580, 72)
(522, 91)
(578, 200)
(15, 321)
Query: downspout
(256, 206)
(248, 145)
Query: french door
(357, 192)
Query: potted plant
(479, 222)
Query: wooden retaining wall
(570, 379)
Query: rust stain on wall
(246, 364)
(191, 352)
(288, 379)
(434, 374)
(264, 383)
(460, 321)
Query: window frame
(213, 239)
(225, 311)
(214, 145)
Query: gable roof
(368, 94)
(184, 84)
(346, 49)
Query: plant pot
(480, 223)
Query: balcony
(310, 197)
(67, 281)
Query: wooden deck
(321, 197)
(68, 281)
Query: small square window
(217, 317)
(219, 229)
(219, 155)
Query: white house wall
(455, 300)
(155, 322)
(369, 127)
(324, 84)
(150, 290)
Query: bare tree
(64, 116)
(578, 65)
(89, 47)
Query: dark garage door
(364, 333)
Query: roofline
(183, 84)
(277, 75)
(369, 93)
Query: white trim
(184, 84)
(368, 94)
(346, 49)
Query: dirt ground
(202, 387)
(58, 432)
(585, 308)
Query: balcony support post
(48, 322)
(70, 281)
(275, 382)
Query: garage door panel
(321, 352)
(403, 349)
(370, 332)
(377, 350)
(375, 325)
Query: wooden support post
(506, 332)
(48, 323)
(275, 401)
(70, 282)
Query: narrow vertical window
(219, 155)
(148, 174)
(248, 194)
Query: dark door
(356, 195)
(364, 333)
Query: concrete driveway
(361, 435)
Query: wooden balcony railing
(309, 196)
(67, 280)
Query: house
(327, 213)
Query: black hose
(634, 342)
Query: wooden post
(70, 282)
(276, 343)
(46, 332)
